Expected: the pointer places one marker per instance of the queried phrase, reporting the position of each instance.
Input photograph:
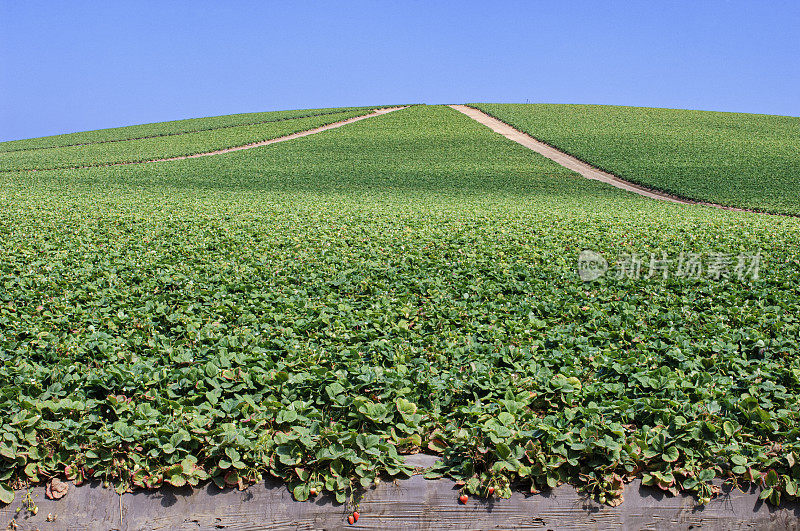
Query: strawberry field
(161, 129)
(314, 310)
(749, 161)
(157, 147)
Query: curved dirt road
(307, 132)
(577, 165)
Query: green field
(160, 129)
(164, 147)
(750, 161)
(314, 309)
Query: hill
(749, 161)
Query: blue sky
(70, 66)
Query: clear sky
(78, 65)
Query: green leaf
(337, 467)
(507, 419)
(670, 454)
(286, 416)
(740, 460)
(7, 451)
(503, 450)
(302, 474)
(706, 475)
(335, 389)
(188, 464)
(177, 480)
(405, 407)
(728, 429)
(31, 470)
(301, 492)
(433, 474)
(6, 494)
(232, 454)
(772, 479)
(285, 455)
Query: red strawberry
(463, 498)
(351, 520)
(312, 491)
(491, 491)
(355, 516)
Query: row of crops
(160, 129)
(164, 147)
(315, 309)
(743, 160)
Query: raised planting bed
(414, 503)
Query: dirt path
(574, 164)
(307, 132)
(314, 131)
(175, 133)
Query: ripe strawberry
(351, 520)
(463, 498)
(312, 491)
(355, 516)
(491, 491)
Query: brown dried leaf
(56, 489)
